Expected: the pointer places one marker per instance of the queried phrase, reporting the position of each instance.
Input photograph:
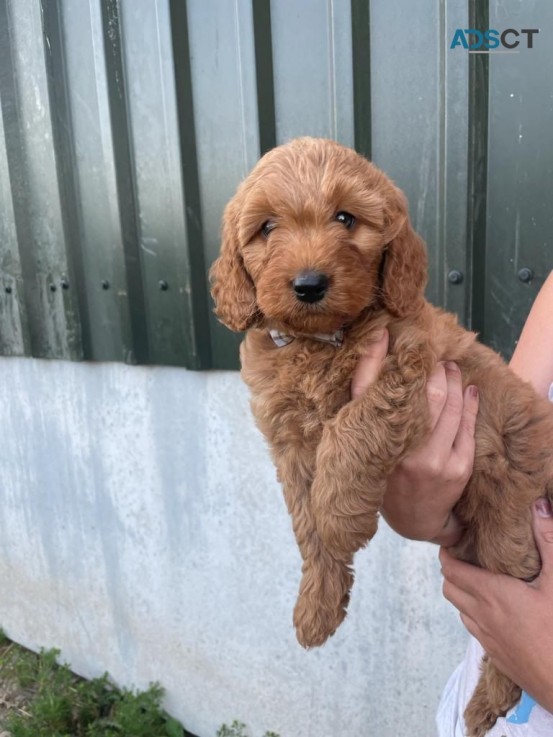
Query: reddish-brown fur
(334, 455)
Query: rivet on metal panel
(105, 284)
(163, 285)
(525, 275)
(455, 277)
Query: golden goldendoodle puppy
(318, 255)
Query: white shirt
(525, 719)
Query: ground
(13, 698)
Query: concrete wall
(142, 532)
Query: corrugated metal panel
(520, 171)
(222, 65)
(419, 121)
(127, 124)
(47, 286)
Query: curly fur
(334, 455)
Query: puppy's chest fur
(298, 387)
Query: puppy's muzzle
(310, 286)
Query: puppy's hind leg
(494, 695)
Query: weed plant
(54, 702)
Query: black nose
(310, 286)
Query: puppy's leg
(496, 506)
(326, 581)
(323, 597)
(495, 694)
(359, 449)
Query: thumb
(368, 367)
(542, 523)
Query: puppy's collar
(281, 339)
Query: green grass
(46, 699)
(237, 729)
(56, 703)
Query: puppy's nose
(310, 286)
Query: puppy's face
(310, 233)
(308, 229)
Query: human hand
(426, 485)
(511, 618)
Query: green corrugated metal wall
(127, 124)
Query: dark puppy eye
(267, 227)
(345, 218)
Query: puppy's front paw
(311, 631)
(322, 600)
(315, 622)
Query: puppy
(318, 255)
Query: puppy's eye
(267, 227)
(345, 218)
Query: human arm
(533, 356)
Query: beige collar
(281, 339)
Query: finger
(450, 418)
(436, 394)
(368, 367)
(462, 601)
(440, 442)
(472, 626)
(542, 522)
(450, 534)
(464, 443)
(470, 579)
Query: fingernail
(473, 391)
(452, 366)
(543, 508)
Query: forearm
(533, 356)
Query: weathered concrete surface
(142, 531)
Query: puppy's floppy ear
(231, 286)
(404, 272)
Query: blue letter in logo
(479, 36)
(459, 39)
(490, 36)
